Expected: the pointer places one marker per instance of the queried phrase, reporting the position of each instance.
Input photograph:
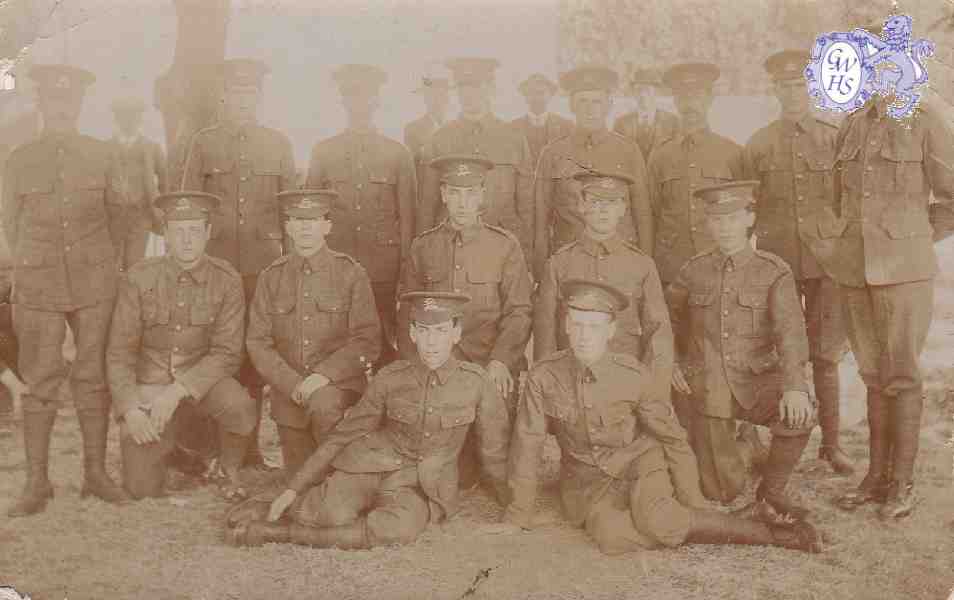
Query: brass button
(358, 186)
(242, 199)
(175, 349)
(178, 327)
(358, 228)
(66, 199)
(427, 434)
(66, 223)
(457, 267)
(587, 405)
(307, 342)
(307, 317)
(430, 411)
(181, 304)
(725, 335)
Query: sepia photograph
(501, 299)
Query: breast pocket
(403, 410)
(153, 312)
(618, 422)
(333, 311)
(700, 303)
(905, 159)
(629, 320)
(217, 173)
(483, 283)
(458, 416)
(38, 215)
(281, 312)
(716, 173)
(754, 311)
(564, 413)
(384, 189)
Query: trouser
(8, 353)
(144, 465)
(392, 505)
(41, 334)
(302, 428)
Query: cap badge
(430, 304)
(182, 204)
(607, 184)
(307, 203)
(463, 170)
(63, 82)
(427, 82)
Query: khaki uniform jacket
(412, 415)
(486, 263)
(739, 328)
(554, 128)
(417, 136)
(58, 192)
(676, 169)
(171, 325)
(509, 196)
(247, 167)
(373, 216)
(665, 127)
(314, 315)
(141, 171)
(794, 163)
(879, 229)
(604, 421)
(557, 193)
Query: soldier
(648, 125)
(313, 328)
(509, 195)
(875, 241)
(57, 191)
(539, 126)
(246, 164)
(628, 476)
(177, 337)
(464, 254)
(742, 347)
(390, 466)
(643, 329)
(435, 91)
(141, 170)
(792, 157)
(377, 192)
(591, 146)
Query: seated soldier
(628, 474)
(313, 329)
(176, 336)
(743, 346)
(390, 466)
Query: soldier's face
(360, 106)
(538, 98)
(187, 239)
(435, 342)
(792, 97)
(693, 106)
(589, 333)
(474, 98)
(60, 111)
(731, 230)
(241, 104)
(591, 107)
(308, 235)
(464, 204)
(601, 215)
(645, 98)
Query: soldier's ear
(325, 226)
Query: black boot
(906, 412)
(94, 425)
(784, 454)
(253, 455)
(711, 527)
(873, 487)
(37, 427)
(346, 537)
(827, 386)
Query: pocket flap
(34, 180)
(703, 298)
(333, 303)
(716, 172)
(282, 305)
(99, 251)
(907, 224)
(830, 226)
(615, 414)
(218, 166)
(403, 413)
(562, 412)
(764, 361)
(483, 274)
(200, 314)
(902, 151)
(458, 416)
(386, 179)
(755, 297)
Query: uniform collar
(313, 262)
(803, 124)
(443, 372)
(198, 274)
(597, 371)
(689, 140)
(235, 129)
(595, 138)
(485, 120)
(538, 120)
(740, 258)
(466, 235)
(363, 132)
(129, 141)
(600, 247)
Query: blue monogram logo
(842, 73)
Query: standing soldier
(876, 242)
(509, 190)
(177, 337)
(643, 329)
(792, 157)
(464, 254)
(648, 125)
(539, 126)
(313, 329)
(742, 348)
(417, 134)
(246, 164)
(591, 146)
(141, 171)
(377, 192)
(57, 191)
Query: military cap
(359, 78)
(690, 76)
(185, 205)
(305, 203)
(60, 80)
(537, 80)
(128, 104)
(432, 83)
(244, 72)
(431, 308)
(594, 296)
(472, 70)
(787, 64)
(609, 186)
(589, 77)
(726, 198)
(645, 77)
(462, 170)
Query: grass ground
(173, 547)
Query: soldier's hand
(138, 426)
(308, 386)
(281, 504)
(500, 376)
(795, 409)
(679, 381)
(164, 404)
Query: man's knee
(232, 407)
(399, 519)
(326, 406)
(656, 513)
(144, 469)
(609, 529)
